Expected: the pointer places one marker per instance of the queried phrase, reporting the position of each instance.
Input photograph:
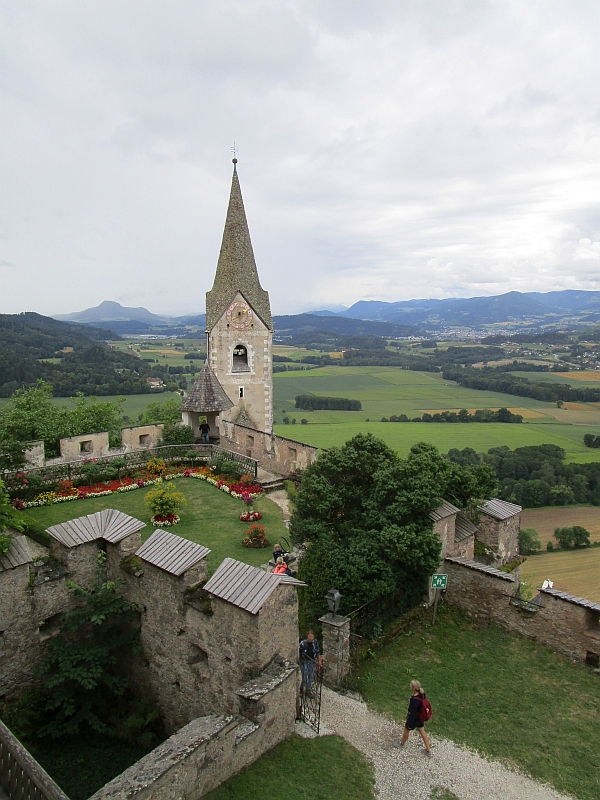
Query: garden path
(410, 774)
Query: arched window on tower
(240, 359)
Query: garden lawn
(325, 768)
(210, 517)
(495, 692)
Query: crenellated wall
(274, 453)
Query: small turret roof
(206, 394)
(236, 268)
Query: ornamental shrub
(156, 466)
(178, 434)
(256, 537)
(164, 500)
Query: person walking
(413, 718)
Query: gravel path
(410, 774)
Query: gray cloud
(387, 150)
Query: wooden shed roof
(244, 586)
(18, 553)
(499, 509)
(464, 527)
(443, 511)
(109, 524)
(172, 553)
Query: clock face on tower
(239, 315)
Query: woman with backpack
(419, 712)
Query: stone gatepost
(336, 649)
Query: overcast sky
(387, 149)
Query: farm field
(384, 391)
(545, 520)
(576, 378)
(574, 571)
(210, 518)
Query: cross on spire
(234, 150)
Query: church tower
(239, 327)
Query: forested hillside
(81, 362)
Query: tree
(12, 452)
(80, 678)
(362, 514)
(178, 434)
(8, 519)
(572, 537)
(164, 500)
(157, 412)
(529, 542)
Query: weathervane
(234, 150)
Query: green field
(135, 404)
(384, 391)
(210, 518)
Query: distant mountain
(109, 311)
(532, 308)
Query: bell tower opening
(240, 359)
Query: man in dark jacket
(310, 659)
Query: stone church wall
(274, 453)
(559, 623)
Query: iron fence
(21, 777)
(310, 692)
(74, 470)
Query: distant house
(154, 383)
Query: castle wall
(445, 529)
(257, 382)
(19, 641)
(35, 453)
(89, 445)
(559, 623)
(500, 535)
(274, 453)
(141, 437)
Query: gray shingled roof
(579, 601)
(244, 586)
(110, 525)
(505, 576)
(172, 553)
(499, 509)
(445, 510)
(206, 394)
(18, 553)
(463, 528)
(236, 268)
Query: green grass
(384, 391)
(498, 693)
(210, 518)
(326, 768)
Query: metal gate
(310, 692)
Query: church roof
(206, 394)
(236, 268)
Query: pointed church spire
(236, 268)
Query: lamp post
(333, 598)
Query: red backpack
(425, 711)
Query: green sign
(439, 581)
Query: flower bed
(165, 520)
(250, 516)
(65, 495)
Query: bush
(574, 537)
(178, 434)
(164, 500)
(227, 468)
(550, 547)
(303, 422)
(529, 542)
(256, 537)
(156, 466)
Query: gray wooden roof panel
(18, 553)
(446, 509)
(171, 553)
(110, 524)
(464, 528)
(244, 586)
(578, 601)
(499, 509)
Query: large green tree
(362, 514)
